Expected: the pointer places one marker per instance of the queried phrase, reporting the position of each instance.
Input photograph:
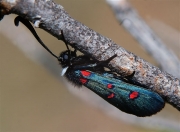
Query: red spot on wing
(85, 73)
(109, 86)
(133, 95)
(83, 80)
(111, 96)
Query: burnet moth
(82, 70)
(132, 99)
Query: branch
(138, 28)
(53, 18)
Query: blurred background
(33, 96)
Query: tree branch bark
(53, 18)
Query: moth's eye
(66, 57)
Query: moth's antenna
(30, 27)
(66, 43)
(63, 38)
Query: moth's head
(66, 57)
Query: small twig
(53, 18)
